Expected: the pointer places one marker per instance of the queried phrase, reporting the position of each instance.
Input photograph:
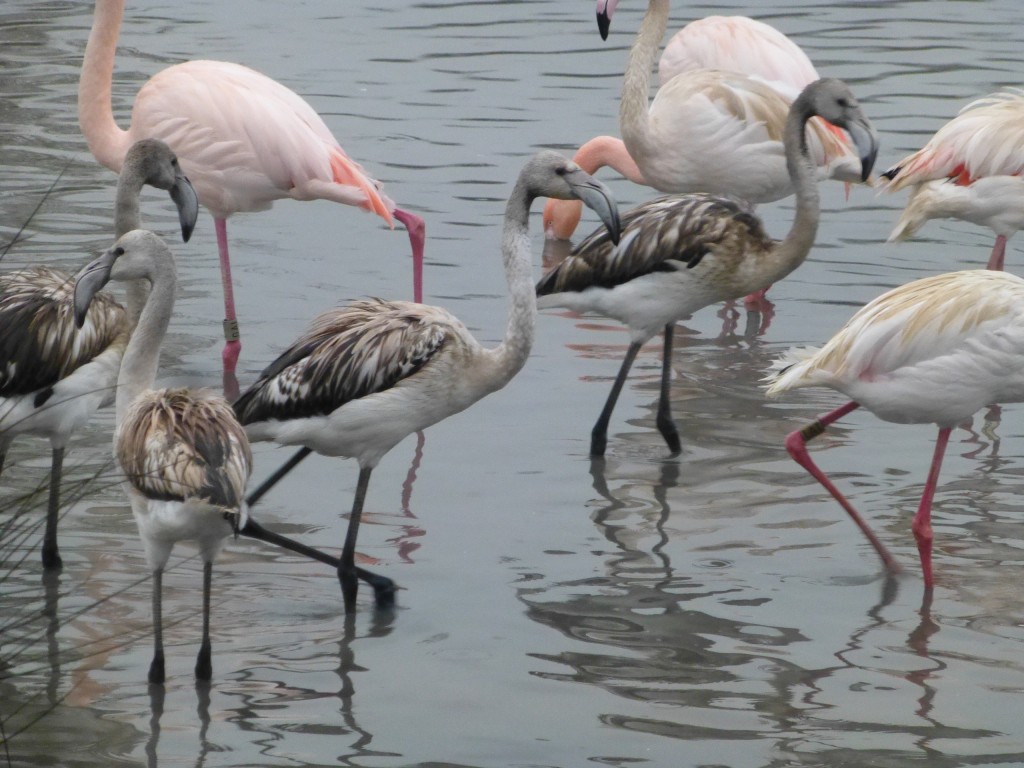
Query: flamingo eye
(119, 251)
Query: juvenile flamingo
(681, 253)
(365, 376)
(184, 456)
(243, 139)
(970, 170)
(708, 131)
(933, 351)
(54, 377)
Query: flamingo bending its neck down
(681, 253)
(184, 455)
(53, 375)
(936, 350)
(365, 376)
(970, 170)
(243, 139)
(716, 132)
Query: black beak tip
(604, 23)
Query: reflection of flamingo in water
(969, 170)
(716, 124)
(681, 253)
(243, 139)
(364, 377)
(935, 350)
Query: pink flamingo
(932, 351)
(709, 139)
(243, 139)
(969, 170)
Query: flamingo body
(184, 456)
(716, 123)
(936, 350)
(364, 377)
(680, 253)
(981, 152)
(55, 375)
(247, 139)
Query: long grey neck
(791, 251)
(142, 357)
(127, 218)
(510, 356)
(633, 119)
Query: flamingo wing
(738, 44)
(180, 444)
(39, 343)
(985, 139)
(245, 140)
(348, 353)
(666, 234)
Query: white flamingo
(681, 253)
(969, 170)
(708, 131)
(365, 376)
(54, 377)
(184, 456)
(935, 350)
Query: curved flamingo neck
(510, 356)
(106, 140)
(634, 122)
(142, 357)
(791, 251)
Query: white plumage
(935, 350)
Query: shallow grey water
(715, 609)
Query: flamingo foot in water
(229, 356)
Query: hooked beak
(599, 199)
(184, 196)
(866, 141)
(90, 281)
(605, 9)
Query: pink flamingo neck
(106, 140)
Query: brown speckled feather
(178, 444)
(668, 233)
(39, 344)
(347, 353)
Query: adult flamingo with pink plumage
(243, 139)
(936, 351)
(969, 170)
(707, 130)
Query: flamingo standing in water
(716, 132)
(935, 350)
(681, 253)
(970, 170)
(243, 139)
(365, 376)
(184, 455)
(53, 376)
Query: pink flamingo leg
(233, 345)
(796, 444)
(922, 525)
(995, 261)
(417, 230)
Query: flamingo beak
(866, 141)
(605, 9)
(598, 198)
(184, 196)
(90, 281)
